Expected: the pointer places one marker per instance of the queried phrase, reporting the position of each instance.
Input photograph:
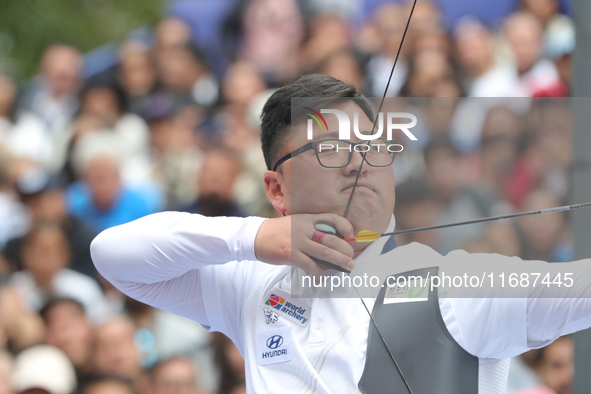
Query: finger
(343, 226)
(340, 245)
(325, 253)
(304, 262)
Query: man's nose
(355, 163)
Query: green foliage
(27, 27)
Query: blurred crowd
(170, 127)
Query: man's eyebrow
(328, 134)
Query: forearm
(164, 246)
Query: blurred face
(176, 377)
(242, 84)
(525, 38)
(544, 10)
(311, 188)
(541, 230)
(108, 387)
(62, 66)
(136, 73)
(46, 253)
(115, 349)
(475, 49)
(443, 173)
(101, 102)
(557, 368)
(102, 177)
(218, 176)
(69, 330)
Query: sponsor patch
(280, 303)
(274, 346)
(416, 290)
(270, 316)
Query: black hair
(320, 91)
(51, 304)
(101, 378)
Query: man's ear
(276, 190)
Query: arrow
(370, 236)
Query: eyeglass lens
(336, 153)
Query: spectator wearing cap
(102, 199)
(43, 194)
(43, 369)
(68, 328)
(45, 255)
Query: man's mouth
(360, 184)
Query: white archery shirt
(205, 269)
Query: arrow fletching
(364, 236)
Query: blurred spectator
(328, 33)
(5, 372)
(175, 148)
(482, 77)
(22, 132)
(444, 175)
(389, 20)
(68, 328)
(171, 32)
(136, 74)
(14, 218)
(116, 352)
(52, 95)
(544, 235)
(504, 238)
(217, 185)
(230, 364)
(175, 376)
(108, 384)
(343, 65)
(554, 364)
(428, 69)
(43, 195)
(416, 206)
(19, 328)
(525, 37)
(102, 199)
(45, 255)
(183, 72)
(560, 45)
(43, 369)
(266, 34)
(103, 108)
(161, 335)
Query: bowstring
(355, 186)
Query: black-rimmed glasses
(335, 153)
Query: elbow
(103, 252)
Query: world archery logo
(274, 301)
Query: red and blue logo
(274, 301)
